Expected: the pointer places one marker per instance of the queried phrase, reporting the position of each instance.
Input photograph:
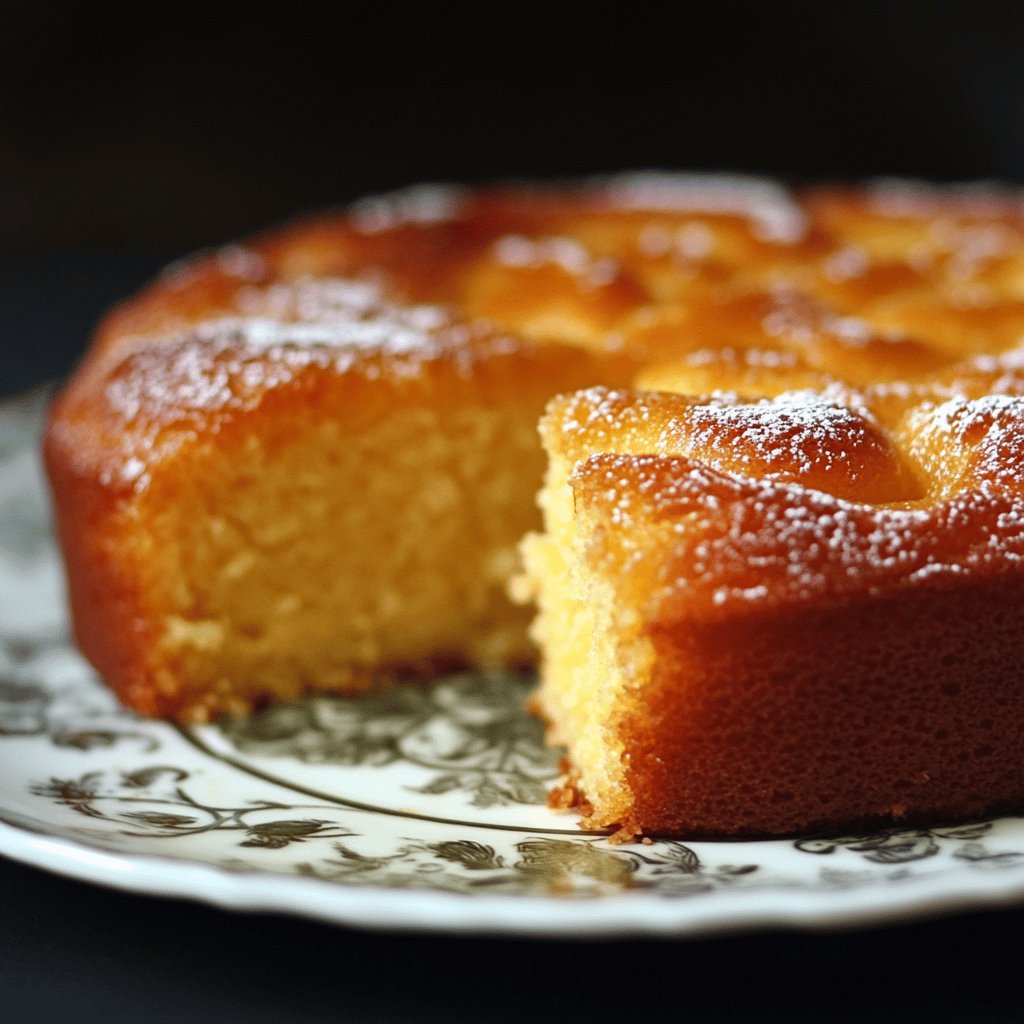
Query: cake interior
(584, 670)
(315, 551)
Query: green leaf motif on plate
(470, 732)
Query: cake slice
(775, 616)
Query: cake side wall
(113, 623)
(895, 709)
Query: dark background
(130, 135)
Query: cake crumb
(568, 796)
(624, 834)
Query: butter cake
(782, 615)
(777, 573)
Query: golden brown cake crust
(829, 602)
(827, 535)
(817, 663)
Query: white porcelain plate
(411, 809)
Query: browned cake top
(708, 505)
(897, 278)
(903, 303)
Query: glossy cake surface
(779, 571)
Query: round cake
(776, 576)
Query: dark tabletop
(79, 953)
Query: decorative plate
(410, 809)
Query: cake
(758, 618)
(778, 567)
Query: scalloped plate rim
(633, 915)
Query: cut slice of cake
(767, 617)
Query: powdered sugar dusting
(311, 298)
(732, 503)
(768, 358)
(971, 442)
(795, 432)
(825, 440)
(797, 318)
(335, 312)
(392, 335)
(720, 540)
(567, 253)
(771, 208)
(420, 205)
(241, 262)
